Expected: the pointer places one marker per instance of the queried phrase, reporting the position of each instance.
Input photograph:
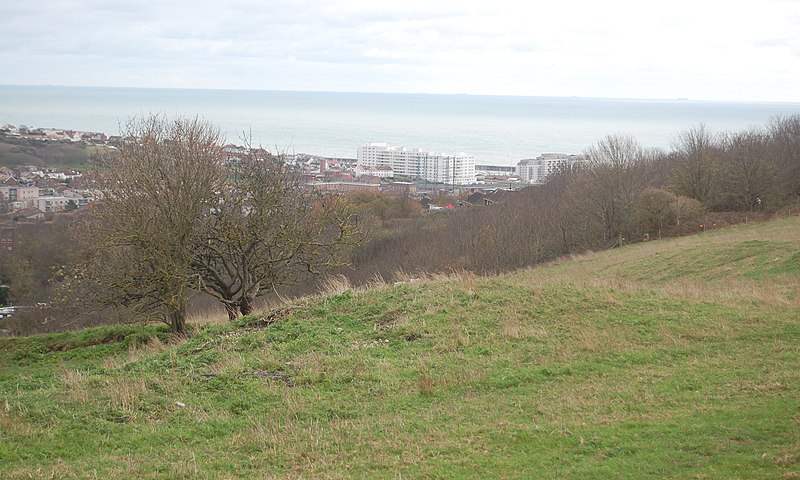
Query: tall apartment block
(536, 170)
(456, 169)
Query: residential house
(380, 171)
(29, 215)
(484, 198)
(19, 196)
(59, 204)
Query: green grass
(671, 359)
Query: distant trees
(747, 175)
(739, 171)
(39, 250)
(697, 166)
(784, 149)
(658, 212)
(622, 191)
(617, 173)
(653, 211)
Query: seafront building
(497, 170)
(536, 170)
(456, 169)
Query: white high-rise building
(536, 170)
(434, 167)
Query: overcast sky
(698, 49)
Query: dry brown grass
(464, 279)
(209, 317)
(154, 346)
(335, 285)
(611, 265)
(124, 393)
(324, 450)
(58, 470)
(376, 282)
(312, 366)
(457, 339)
(7, 422)
(185, 466)
(777, 292)
(231, 363)
(424, 379)
(516, 325)
(75, 383)
(595, 340)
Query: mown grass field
(671, 359)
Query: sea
(496, 130)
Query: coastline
(494, 129)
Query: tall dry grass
(75, 383)
(125, 393)
(335, 285)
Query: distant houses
(379, 167)
(54, 134)
(46, 190)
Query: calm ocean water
(495, 129)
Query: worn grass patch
(672, 359)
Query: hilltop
(669, 359)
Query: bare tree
(618, 171)
(784, 136)
(653, 211)
(267, 230)
(748, 174)
(139, 239)
(697, 167)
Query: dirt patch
(114, 337)
(268, 319)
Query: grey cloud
(773, 42)
(792, 45)
(239, 28)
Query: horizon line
(354, 92)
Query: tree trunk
(246, 305)
(564, 238)
(232, 310)
(177, 320)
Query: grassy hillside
(16, 152)
(672, 359)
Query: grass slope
(672, 359)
